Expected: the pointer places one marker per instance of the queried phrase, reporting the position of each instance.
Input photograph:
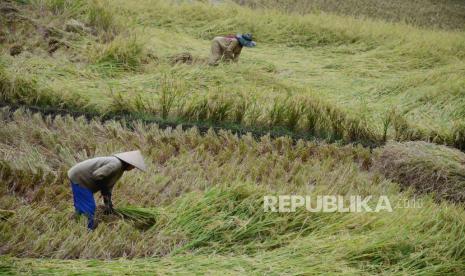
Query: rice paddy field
(327, 103)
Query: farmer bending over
(228, 48)
(100, 174)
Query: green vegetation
(321, 75)
(200, 206)
(98, 14)
(123, 52)
(204, 198)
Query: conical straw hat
(134, 158)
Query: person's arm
(108, 203)
(237, 54)
(99, 176)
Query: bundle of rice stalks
(426, 167)
(142, 217)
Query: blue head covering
(246, 40)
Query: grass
(201, 202)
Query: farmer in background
(228, 48)
(100, 174)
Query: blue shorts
(84, 203)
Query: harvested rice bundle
(426, 167)
(142, 217)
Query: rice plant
(121, 53)
(102, 18)
(339, 82)
(420, 13)
(205, 95)
(203, 196)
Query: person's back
(90, 172)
